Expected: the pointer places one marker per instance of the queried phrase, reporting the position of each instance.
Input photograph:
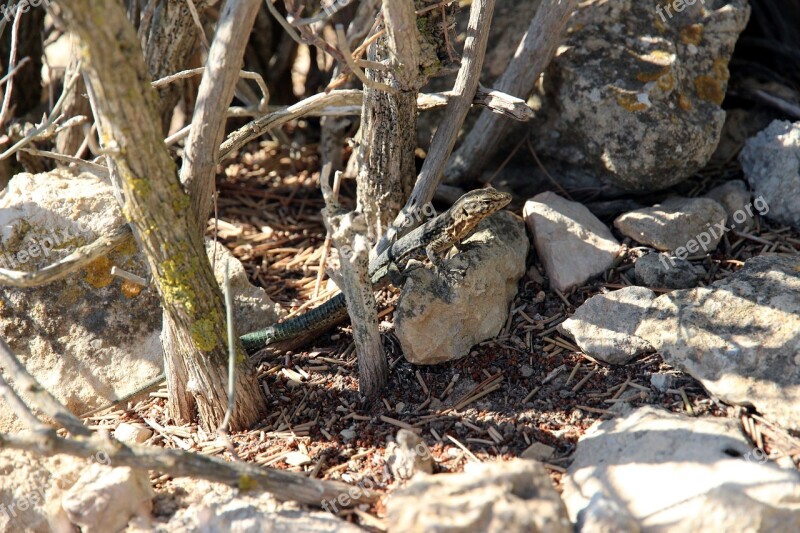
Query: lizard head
(481, 203)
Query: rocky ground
(610, 361)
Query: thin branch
(100, 169)
(74, 261)
(196, 19)
(480, 19)
(283, 22)
(37, 395)
(12, 59)
(246, 74)
(178, 463)
(355, 69)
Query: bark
(69, 140)
(159, 211)
(171, 41)
(388, 122)
(27, 92)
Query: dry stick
(12, 59)
(37, 395)
(348, 234)
(178, 463)
(532, 56)
(351, 64)
(246, 74)
(215, 92)
(480, 18)
(77, 259)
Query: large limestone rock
(439, 317)
(686, 226)
(669, 472)
(740, 337)
(90, 337)
(605, 325)
(571, 242)
(505, 497)
(771, 162)
(106, 499)
(635, 95)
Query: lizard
(435, 237)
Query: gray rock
(407, 455)
(132, 433)
(685, 226)
(538, 452)
(624, 68)
(662, 382)
(604, 515)
(88, 338)
(735, 198)
(740, 337)
(605, 325)
(439, 318)
(663, 271)
(662, 469)
(504, 497)
(106, 499)
(207, 507)
(771, 163)
(726, 508)
(571, 242)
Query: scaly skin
(434, 237)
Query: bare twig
(12, 59)
(37, 396)
(480, 18)
(215, 92)
(348, 57)
(246, 74)
(533, 54)
(77, 259)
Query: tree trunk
(160, 211)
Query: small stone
(663, 271)
(662, 382)
(604, 326)
(297, 459)
(735, 198)
(132, 433)
(771, 163)
(408, 455)
(685, 226)
(538, 452)
(348, 434)
(571, 242)
(399, 407)
(526, 371)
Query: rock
(538, 451)
(508, 497)
(771, 163)
(132, 433)
(348, 434)
(31, 488)
(661, 468)
(727, 509)
(740, 337)
(625, 68)
(735, 198)
(572, 244)
(105, 499)
(662, 382)
(296, 458)
(204, 506)
(408, 455)
(439, 318)
(680, 225)
(604, 515)
(663, 271)
(604, 326)
(88, 338)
